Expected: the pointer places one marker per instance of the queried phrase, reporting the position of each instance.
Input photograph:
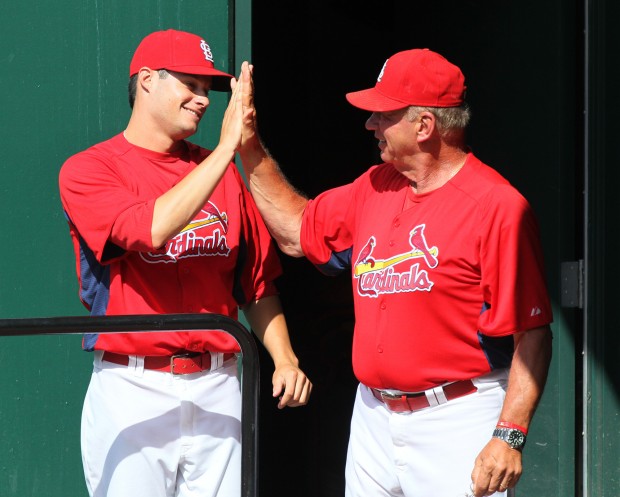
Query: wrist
(506, 424)
(253, 146)
(514, 437)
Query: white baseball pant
(430, 452)
(153, 434)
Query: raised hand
(232, 122)
(249, 132)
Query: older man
(452, 342)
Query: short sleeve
(513, 278)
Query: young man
(161, 225)
(452, 342)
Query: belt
(409, 402)
(193, 362)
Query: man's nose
(202, 100)
(371, 122)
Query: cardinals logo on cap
(207, 50)
(382, 71)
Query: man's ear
(426, 125)
(145, 78)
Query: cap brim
(221, 83)
(374, 101)
(221, 80)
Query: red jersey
(223, 259)
(442, 280)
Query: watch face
(516, 438)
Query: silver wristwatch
(513, 437)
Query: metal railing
(172, 322)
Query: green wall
(63, 87)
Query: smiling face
(178, 101)
(396, 135)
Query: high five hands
(239, 123)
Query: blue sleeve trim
(242, 257)
(94, 282)
(498, 350)
(337, 263)
(94, 290)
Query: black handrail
(172, 322)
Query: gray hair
(448, 118)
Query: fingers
(233, 116)
(246, 75)
(248, 95)
(497, 468)
(239, 124)
(293, 386)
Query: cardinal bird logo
(366, 251)
(210, 208)
(418, 242)
(214, 216)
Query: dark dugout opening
(307, 56)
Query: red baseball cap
(413, 77)
(180, 52)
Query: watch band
(513, 437)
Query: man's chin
(186, 133)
